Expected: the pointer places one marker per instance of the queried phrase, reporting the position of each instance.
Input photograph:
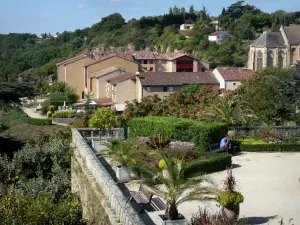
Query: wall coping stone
(110, 189)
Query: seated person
(225, 143)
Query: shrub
(38, 122)
(230, 198)
(204, 217)
(198, 132)
(103, 118)
(64, 114)
(209, 163)
(270, 147)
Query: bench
(215, 147)
(143, 197)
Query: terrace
(268, 181)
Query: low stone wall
(255, 130)
(63, 120)
(115, 198)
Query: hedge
(208, 163)
(38, 122)
(199, 132)
(64, 114)
(270, 147)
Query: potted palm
(176, 189)
(124, 154)
(229, 198)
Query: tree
(178, 187)
(11, 92)
(182, 10)
(171, 11)
(229, 110)
(103, 118)
(192, 11)
(61, 93)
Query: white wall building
(186, 26)
(219, 36)
(230, 77)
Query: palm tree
(124, 153)
(229, 110)
(176, 188)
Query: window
(82, 95)
(85, 77)
(259, 60)
(145, 61)
(165, 88)
(202, 69)
(171, 89)
(270, 58)
(159, 62)
(148, 89)
(151, 62)
(151, 69)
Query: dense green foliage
(18, 114)
(228, 198)
(35, 185)
(270, 147)
(200, 133)
(34, 58)
(61, 93)
(209, 163)
(63, 114)
(271, 95)
(11, 92)
(103, 118)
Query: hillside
(33, 57)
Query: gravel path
(269, 183)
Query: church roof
(268, 39)
(292, 34)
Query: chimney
(139, 88)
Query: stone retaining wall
(117, 201)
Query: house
(275, 48)
(121, 89)
(219, 36)
(89, 75)
(186, 26)
(97, 72)
(169, 62)
(215, 24)
(230, 78)
(72, 72)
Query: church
(275, 48)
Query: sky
(40, 16)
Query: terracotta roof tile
(70, 60)
(107, 70)
(122, 77)
(231, 73)
(104, 101)
(120, 55)
(179, 78)
(217, 33)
